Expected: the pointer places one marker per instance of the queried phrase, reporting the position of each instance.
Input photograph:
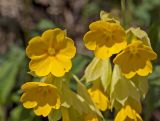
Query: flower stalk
(123, 8)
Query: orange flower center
(51, 51)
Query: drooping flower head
(51, 53)
(128, 114)
(41, 97)
(105, 38)
(135, 59)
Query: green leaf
(106, 74)
(9, 70)
(70, 114)
(108, 17)
(90, 9)
(101, 69)
(154, 78)
(15, 113)
(45, 24)
(20, 114)
(82, 91)
(74, 100)
(122, 90)
(142, 84)
(2, 114)
(151, 102)
(140, 34)
(93, 70)
(55, 115)
(79, 63)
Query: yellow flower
(128, 114)
(135, 59)
(51, 53)
(40, 96)
(105, 38)
(99, 97)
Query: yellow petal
(30, 104)
(41, 66)
(91, 38)
(126, 61)
(29, 85)
(69, 50)
(127, 114)
(99, 99)
(117, 47)
(146, 70)
(150, 53)
(99, 25)
(60, 66)
(58, 104)
(44, 110)
(33, 95)
(50, 36)
(36, 47)
(138, 117)
(120, 116)
(103, 52)
(119, 59)
(130, 113)
(130, 75)
(56, 65)
(52, 97)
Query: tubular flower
(40, 96)
(135, 59)
(99, 98)
(105, 38)
(51, 53)
(128, 114)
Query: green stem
(2, 113)
(123, 7)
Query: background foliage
(22, 19)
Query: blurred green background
(22, 19)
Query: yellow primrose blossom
(105, 38)
(40, 96)
(128, 114)
(51, 53)
(99, 97)
(135, 59)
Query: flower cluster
(50, 54)
(124, 87)
(120, 85)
